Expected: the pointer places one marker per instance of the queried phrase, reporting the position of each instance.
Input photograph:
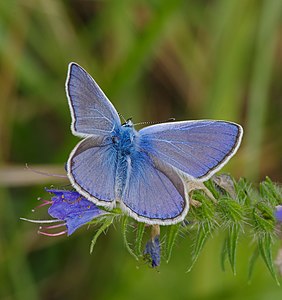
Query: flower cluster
(69, 210)
(152, 251)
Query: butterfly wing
(92, 112)
(91, 166)
(154, 193)
(197, 148)
(92, 170)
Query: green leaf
(276, 190)
(264, 233)
(263, 219)
(230, 211)
(264, 245)
(207, 209)
(232, 240)
(232, 216)
(211, 187)
(206, 222)
(139, 238)
(125, 226)
(252, 262)
(270, 192)
(107, 223)
(171, 238)
(243, 190)
(204, 231)
(223, 255)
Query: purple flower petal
(72, 208)
(278, 213)
(153, 251)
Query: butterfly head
(124, 137)
(128, 123)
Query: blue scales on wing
(197, 148)
(92, 112)
(154, 192)
(92, 170)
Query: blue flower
(278, 213)
(70, 210)
(152, 251)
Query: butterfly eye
(115, 139)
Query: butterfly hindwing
(92, 170)
(154, 193)
(197, 148)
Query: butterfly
(146, 171)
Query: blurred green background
(154, 59)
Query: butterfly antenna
(122, 117)
(152, 122)
(44, 173)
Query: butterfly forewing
(92, 112)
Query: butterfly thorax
(124, 139)
(125, 142)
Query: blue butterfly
(145, 171)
